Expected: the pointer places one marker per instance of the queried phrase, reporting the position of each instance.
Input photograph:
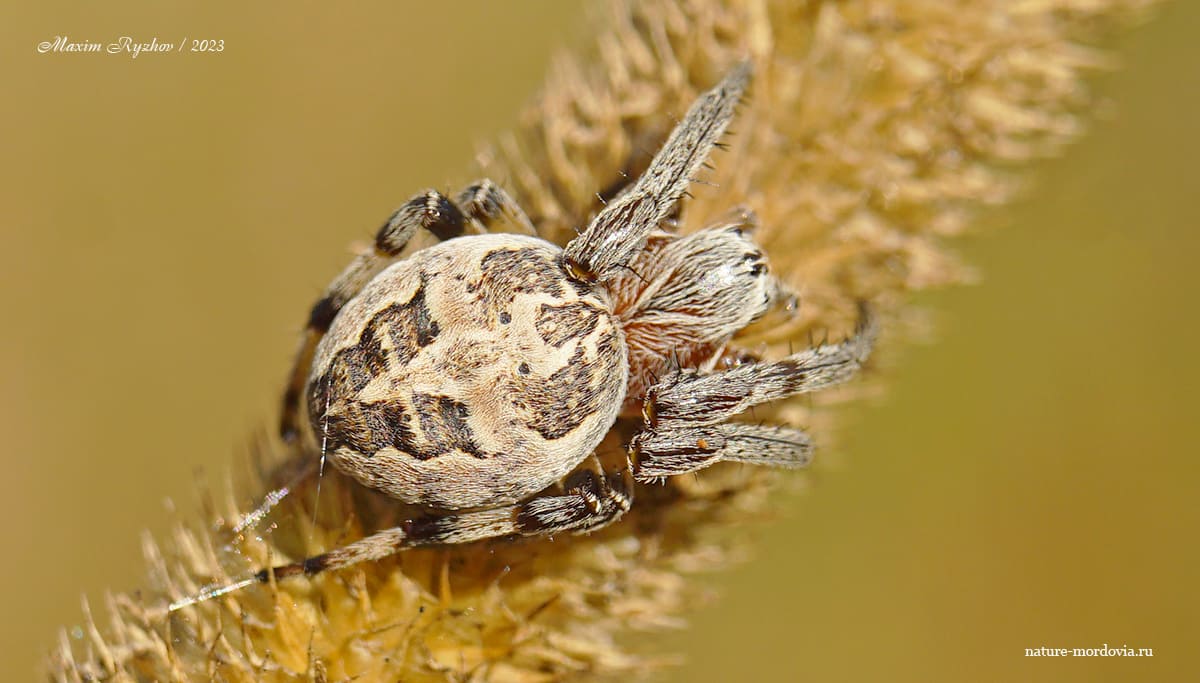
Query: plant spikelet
(873, 132)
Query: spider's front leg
(687, 449)
(615, 236)
(685, 415)
(479, 204)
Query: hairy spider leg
(592, 499)
(479, 204)
(619, 231)
(684, 416)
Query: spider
(476, 377)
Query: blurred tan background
(1029, 480)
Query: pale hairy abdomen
(472, 373)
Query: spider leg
(269, 501)
(679, 451)
(619, 231)
(695, 293)
(479, 204)
(591, 501)
(685, 415)
(691, 399)
(484, 201)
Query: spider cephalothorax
(475, 377)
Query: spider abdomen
(473, 373)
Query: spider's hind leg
(591, 500)
(483, 202)
(479, 205)
(430, 210)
